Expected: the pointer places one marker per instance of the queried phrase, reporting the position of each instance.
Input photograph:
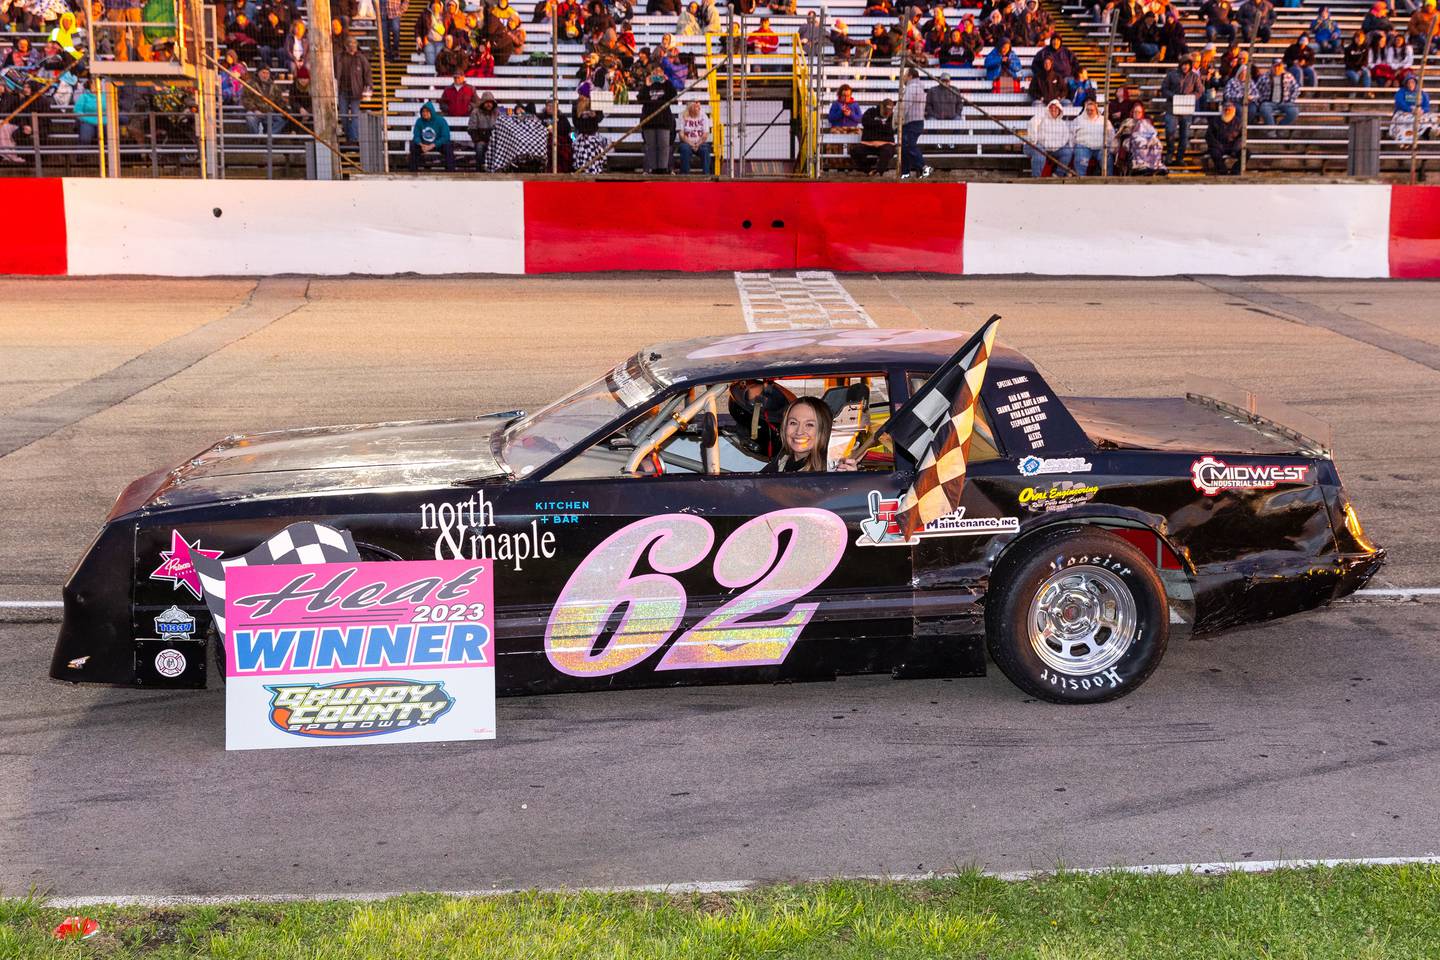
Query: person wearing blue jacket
(431, 135)
(87, 113)
(1000, 62)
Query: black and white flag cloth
(304, 542)
(935, 427)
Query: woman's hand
(846, 465)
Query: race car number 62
(655, 603)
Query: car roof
(812, 350)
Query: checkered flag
(935, 428)
(298, 543)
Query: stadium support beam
(324, 96)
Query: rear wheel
(1080, 617)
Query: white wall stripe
(1218, 868)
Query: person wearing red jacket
(457, 98)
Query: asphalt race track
(1312, 737)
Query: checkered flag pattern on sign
(298, 543)
(935, 429)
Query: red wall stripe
(1414, 232)
(702, 226)
(35, 244)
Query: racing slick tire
(1080, 617)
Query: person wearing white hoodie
(1049, 135)
(1093, 138)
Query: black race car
(635, 542)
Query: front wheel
(1079, 618)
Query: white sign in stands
(353, 653)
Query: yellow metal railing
(789, 55)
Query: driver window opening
(737, 427)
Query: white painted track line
(29, 604)
(810, 298)
(740, 886)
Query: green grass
(1345, 912)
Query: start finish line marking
(811, 298)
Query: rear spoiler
(1313, 436)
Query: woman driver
(805, 439)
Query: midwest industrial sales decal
(327, 654)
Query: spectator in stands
(695, 139)
(1398, 60)
(942, 101)
(297, 48)
(847, 48)
(1233, 59)
(662, 8)
(1235, 92)
(970, 43)
(457, 98)
(1145, 40)
(64, 34)
(878, 8)
(483, 113)
(260, 115)
(270, 40)
(1140, 144)
(1062, 61)
(430, 136)
(763, 39)
(1002, 62)
(782, 8)
(936, 32)
(1214, 92)
(241, 39)
(1423, 24)
(391, 12)
(1173, 45)
(87, 112)
(1045, 83)
(1299, 59)
(231, 72)
(1276, 92)
(994, 29)
(590, 147)
(884, 44)
(875, 153)
(1208, 58)
(1120, 108)
(482, 62)
(299, 101)
(687, 23)
(1048, 141)
(1081, 89)
(1223, 136)
(430, 31)
(1402, 122)
(450, 59)
(352, 84)
(845, 114)
(130, 42)
(1257, 18)
(21, 55)
(1326, 31)
(1092, 141)
(1376, 23)
(1185, 84)
(658, 126)
(912, 120)
(1357, 60)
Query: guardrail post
(35, 142)
(372, 142)
(1363, 156)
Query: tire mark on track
(1312, 315)
(270, 300)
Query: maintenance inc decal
(334, 653)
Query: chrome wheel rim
(1082, 620)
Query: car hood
(323, 460)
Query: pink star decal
(177, 565)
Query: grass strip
(1342, 912)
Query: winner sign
(336, 653)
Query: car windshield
(534, 440)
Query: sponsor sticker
(178, 564)
(331, 653)
(1211, 475)
(882, 527)
(174, 623)
(1033, 466)
(170, 663)
(1060, 495)
(466, 530)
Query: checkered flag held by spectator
(935, 429)
(298, 543)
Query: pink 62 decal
(736, 634)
